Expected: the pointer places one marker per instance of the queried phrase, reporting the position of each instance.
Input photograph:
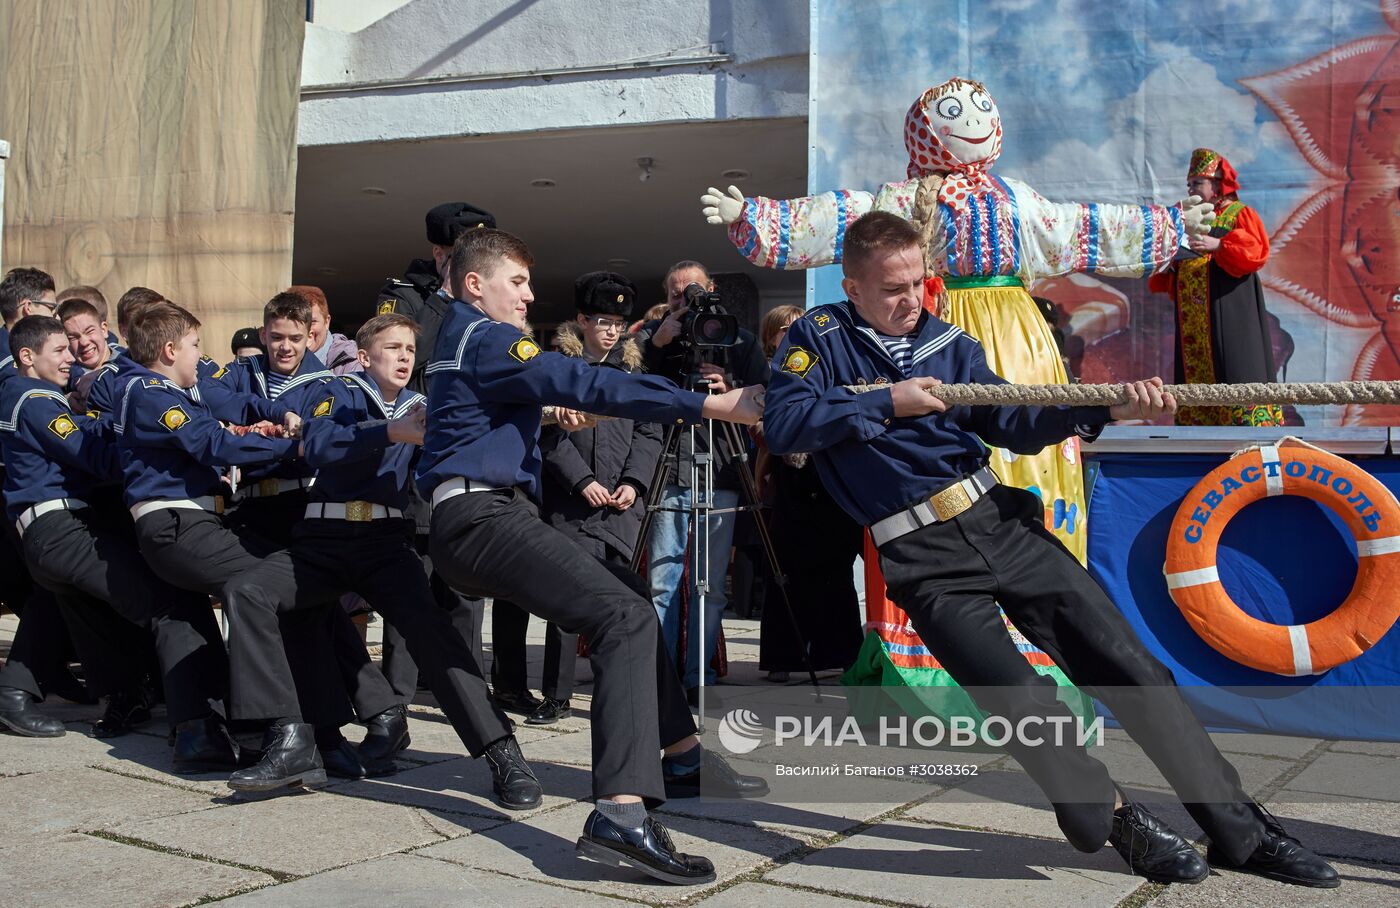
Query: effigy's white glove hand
(720, 208)
(1198, 216)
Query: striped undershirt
(275, 382)
(901, 350)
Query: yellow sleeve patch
(174, 418)
(799, 361)
(220, 373)
(63, 426)
(387, 306)
(323, 408)
(524, 350)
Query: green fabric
(929, 691)
(981, 280)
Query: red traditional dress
(1222, 332)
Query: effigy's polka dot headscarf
(928, 155)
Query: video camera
(706, 324)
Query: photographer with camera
(698, 346)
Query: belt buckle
(359, 511)
(267, 488)
(950, 502)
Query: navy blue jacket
(871, 462)
(347, 442)
(173, 444)
(78, 370)
(486, 383)
(104, 394)
(50, 451)
(247, 377)
(7, 359)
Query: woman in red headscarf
(1222, 334)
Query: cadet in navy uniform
(37, 660)
(172, 445)
(481, 470)
(55, 460)
(270, 501)
(361, 437)
(954, 544)
(423, 296)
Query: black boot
(512, 780)
(648, 849)
(204, 745)
(19, 715)
(386, 734)
(550, 711)
(342, 761)
(1280, 857)
(1153, 849)
(711, 776)
(289, 759)
(122, 712)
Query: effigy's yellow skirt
(1020, 348)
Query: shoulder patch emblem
(94, 414)
(63, 426)
(323, 407)
(386, 306)
(152, 382)
(799, 361)
(174, 418)
(821, 318)
(524, 350)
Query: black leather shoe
(512, 780)
(289, 759)
(515, 701)
(204, 745)
(550, 711)
(343, 762)
(19, 714)
(648, 849)
(1281, 857)
(1153, 849)
(120, 714)
(714, 778)
(386, 735)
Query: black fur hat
(450, 220)
(604, 293)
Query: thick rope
(1249, 394)
(1242, 395)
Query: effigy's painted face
(967, 123)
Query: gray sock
(630, 815)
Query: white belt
(350, 510)
(267, 488)
(214, 504)
(945, 504)
(459, 486)
(58, 504)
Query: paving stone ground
(89, 822)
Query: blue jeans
(669, 533)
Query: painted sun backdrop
(1303, 98)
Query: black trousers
(195, 551)
(89, 559)
(494, 544)
(397, 663)
(375, 560)
(40, 653)
(50, 627)
(949, 577)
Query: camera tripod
(701, 507)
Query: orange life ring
(1368, 509)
